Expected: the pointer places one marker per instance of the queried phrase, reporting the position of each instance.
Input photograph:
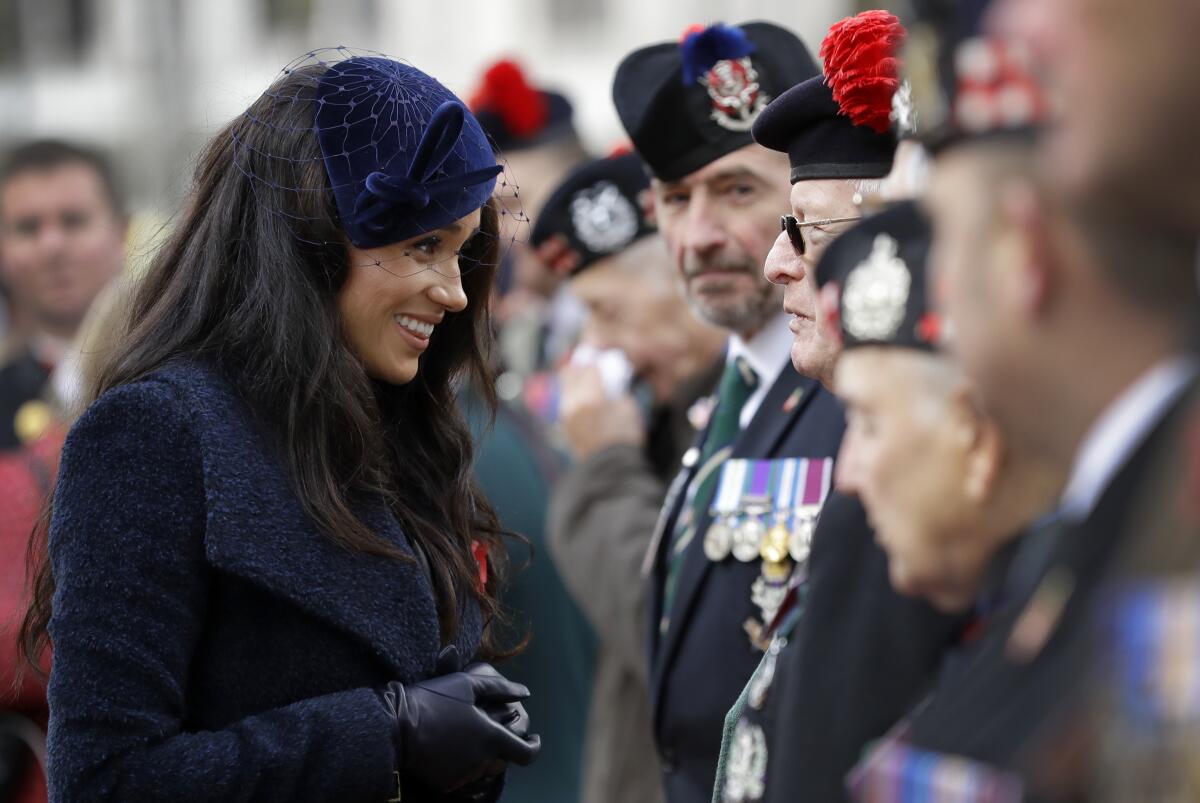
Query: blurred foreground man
(1139, 59)
(716, 579)
(850, 655)
(643, 341)
(1082, 360)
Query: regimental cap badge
(875, 298)
(604, 219)
(718, 58)
(904, 111)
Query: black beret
(686, 104)
(516, 114)
(879, 268)
(595, 210)
(963, 85)
(806, 123)
(838, 125)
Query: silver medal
(718, 540)
(800, 542)
(747, 539)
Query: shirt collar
(763, 351)
(1119, 430)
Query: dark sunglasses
(793, 228)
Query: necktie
(737, 385)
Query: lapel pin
(1041, 616)
(793, 400)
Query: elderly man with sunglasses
(847, 654)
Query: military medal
(718, 540)
(800, 538)
(813, 480)
(748, 538)
(721, 536)
(775, 544)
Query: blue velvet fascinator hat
(402, 154)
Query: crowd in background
(966, 354)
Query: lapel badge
(760, 684)
(793, 400)
(1041, 616)
(701, 411)
(876, 293)
(747, 774)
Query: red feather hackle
(861, 66)
(506, 93)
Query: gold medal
(748, 538)
(718, 540)
(777, 571)
(775, 544)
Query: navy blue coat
(209, 642)
(701, 664)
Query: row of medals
(751, 539)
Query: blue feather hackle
(701, 50)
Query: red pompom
(506, 93)
(861, 66)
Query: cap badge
(604, 219)
(876, 293)
(904, 112)
(733, 86)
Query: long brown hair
(248, 283)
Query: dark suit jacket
(861, 656)
(1006, 712)
(209, 642)
(700, 665)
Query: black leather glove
(446, 730)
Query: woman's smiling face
(395, 296)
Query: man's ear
(1027, 218)
(983, 443)
(649, 205)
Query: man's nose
(782, 265)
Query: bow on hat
(385, 198)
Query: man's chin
(803, 360)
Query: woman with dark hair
(266, 558)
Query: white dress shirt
(1120, 430)
(767, 352)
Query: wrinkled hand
(590, 420)
(459, 727)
